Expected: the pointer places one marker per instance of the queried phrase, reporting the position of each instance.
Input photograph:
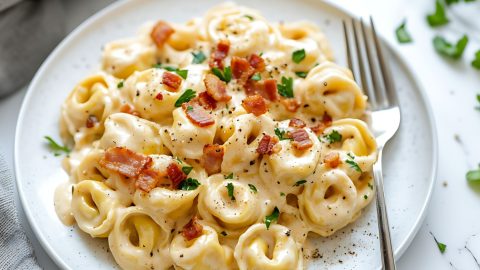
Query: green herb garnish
(182, 73)
(334, 136)
(441, 246)
(301, 74)
(282, 194)
(443, 47)
(402, 34)
(225, 75)
(249, 17)
(478, 99)
(185, 97)
(56, 148)
(370, 186)
(476, 60)
(353, 165)
(300, 182)
(439, 17)
(286, 88)
(186, 169)
(256, 77)
(253, 188)
(365, 196)
(189, 184)
(281, 134)
(272, 217)
(473, 176)
(298, 56)
(198, 57)
(230, 189)
(120, 85)
(230, 176)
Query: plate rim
(117, 5)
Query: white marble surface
(451, 87)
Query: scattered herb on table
(403, 36)
(439, 17)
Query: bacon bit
(148, 179)
(290, 104)
(326, 122)
(175, 175)
(171, 80)
(192, 229)
(217, 56)
(159, 96)
(332, 159)
(197, 114)
(255, 104)
(91, 121)
(266, 88)
(241, 69)
(212, 158)
(216, 88)
(126, 108)
(301, 140)
(124, 161)
(257, 62)
(297, 123)
(161, 32)
(267, 145)
(207, 101)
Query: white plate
(410, 159)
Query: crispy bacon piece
(257, 62)
(126, 108)
(91, 121)
(217, 56)
(290, 104)
(326, 122)
(124, 161)
(266, 88)
(301, 140)
(197, 114)
(207, 101)
(159, 96)
(267, 144)
(216, 88)
(255, 104)
(241, 69)
(212, 158)
(297, 123)
(148, 179)
(161, 32)
(332, 159)
(175, 174)
(192, 229)
(171, 80)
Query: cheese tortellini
(223, 142)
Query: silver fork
(367, 62)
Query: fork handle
(388, 261)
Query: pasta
(220, 143)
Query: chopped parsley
(282, 194)
(225, 75)
(439, 17)
(253, 188)
(179, 160)
(286, 88)
(441, 246)
(299, 183)
(365, 196)
(256, 77)
(272, 217)
(182, 73)
(281, 134)
(230, 189)
(185, 97)
(230, 176)
(403, 36)
(473, 176)
(334, 136)
(301, 74)
(120, 85)
(189, 184)
(476, 60)
(370, 186)
(298, 56)
(56, 148)
(352, 163)
(478, 99)
(186, 169)
(249, 17)
(443, 47)
(198, 57)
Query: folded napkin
(29, 31)
(15, 250)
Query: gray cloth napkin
(29, 29)
(15, 250)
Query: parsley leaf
(476, 61)
(120, 85)
(198, 57)
(439, 17)
(249, 17)
(402, 34)
(56, 148)
(353, 165)
(300, 182)
(298, 56)
(301, 74)
(189, 184)
(182, 73)
(286, 88)
(225, 75)
(365, 196)
(230, 189)
(282, 194)
(449, 2)
(185, 97)
(186, 169)
(334, 136)
(445, 48)
(230, 176)
(478, 99)
(256, 77)
(253, 188)
(370, 186)
(281, 134)
(272, 217)
(473, 176)
(441, 246)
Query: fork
(367, 62)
